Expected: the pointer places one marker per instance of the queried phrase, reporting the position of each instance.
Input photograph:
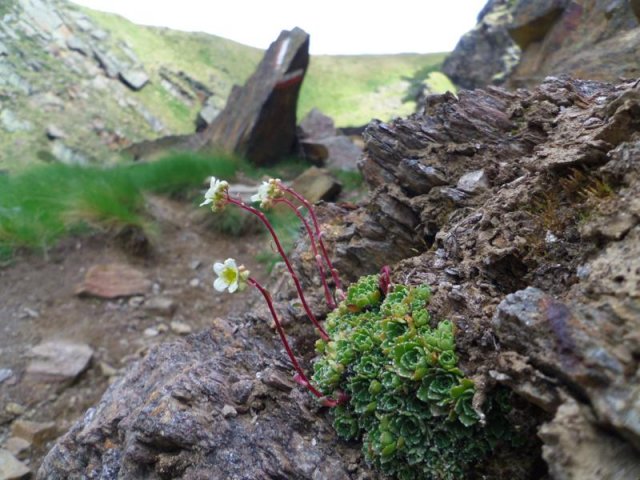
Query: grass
(42, 204)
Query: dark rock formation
(486, 55)
(259, 120)
(585, 39)
(535, 260)
(520, 43)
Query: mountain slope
(78, 85)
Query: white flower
(267, 193)
(230, 276)
(216, 195)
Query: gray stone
(5, 374)
(66, 155)
(108, 63)
(4, 50)
(473, 182)
(54, 132)
(77, 45)
(164, 306)
(343, 154)
(229, 411)
(134, 79)
(12, 123)
(17, 446)
(317, 184)
(419, 178)
(181, 328)
(113, 280)
(316, 125)
(206, 115)
(11, 468)
(59, 360)
(10, 78)
(576, 449)
(36, 433)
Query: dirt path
(37, 303)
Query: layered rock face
(521, 211)
(522, 42)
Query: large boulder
(487, 54)
(259, 119)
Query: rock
(317, 184)
(487, 54)
(146, 422)
(134, 79)
(15, 408)
(163, 306)
(5, 374)
(77, 45)
(17, 446)
(4, 51)
(313, 152)
(594, 41)
(59, 361)
(180, 328)
(206, 115)
(12, 124)
(473, 182)
(53, 132)
(259, 119)
(342, 153)
(575, 448)
(229, 411)
(11, 468)
(151, 332)
(108, 63)
(317, 126)
(66, 155)
(36, 433)
(531, 22)
(113, 280)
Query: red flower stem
(283, 337)
(316, 226)
(314, 249)
(263, 218)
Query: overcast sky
(335, 26)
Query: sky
(336, 26)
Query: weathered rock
(314, 152)
(17, 446)
(473, 182)
(36, 433)
(486, 55)
(317, 184)
(148, 425)
(11, 468)
(53, 132)
(207, 114)
(583, 39)
(259, 120)
(5, 374)
(67, 155)
(164, 306)
(576, 449)
(58, 361)
(113, 280)
(134, 79)
(181, 328)
(316, 126)
(342, 153)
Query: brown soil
(37, 303)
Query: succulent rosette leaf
(409, 401)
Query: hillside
(77, 85)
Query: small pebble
(229, 411)
(150, 332)
(180, 328)
(195, 282)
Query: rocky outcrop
(520, 210)
(259, 120)
(487, 54)
(585, 39)
(520, 43)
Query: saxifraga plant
(408, 401)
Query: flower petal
(233, 287)
(220, 285)
(218, 267)
(230, 263)
(206, 201)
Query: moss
(410, 403)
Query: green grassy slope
(99, 115)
